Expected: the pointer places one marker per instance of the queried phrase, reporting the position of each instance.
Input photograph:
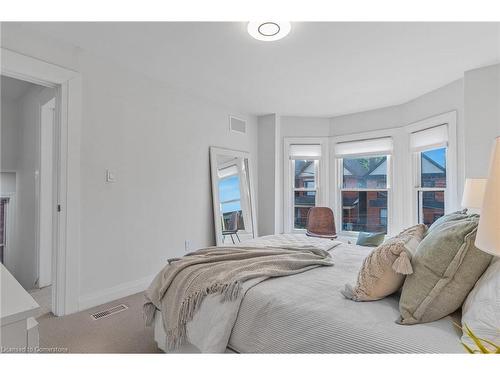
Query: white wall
(441, 100)
(7, 183)
(266, 156)
(482, 116)
(9, 134)
(292, 126)
(156, 139)
(382, 118)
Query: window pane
(231, 206)
(383, 216)
(305, 174)
(364, 211)
(303, 201)
(365, 173)
(433, 167)
(431, 204)
(229, 188)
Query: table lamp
(488, 232)
(473, 195)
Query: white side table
(17, 311)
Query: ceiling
(14, 88)
(319, 69)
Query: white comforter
(306, 313)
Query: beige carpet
(124, 332)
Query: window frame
(451, 201)
(417, 182)
(322, 190)
(316, 189)
(340, 187)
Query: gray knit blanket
(180, 288)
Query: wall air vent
(237, 125)
(108, 312)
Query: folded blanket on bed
(180, 288)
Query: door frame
(42, 105)
(9, 221)
(66, 219)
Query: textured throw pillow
(446, 266)
(370, 239)
(481, 309)
(384, 270)
(458, 215)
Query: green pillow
(370, 239)
(446, 266)
(458, 215)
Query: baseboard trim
(119, 291)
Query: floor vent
(108, 312)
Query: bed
(306, 313)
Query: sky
(438, 155)
(229, 189)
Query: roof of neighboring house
(374, 165)
(440, 168)
(306, 169)
(360, 170)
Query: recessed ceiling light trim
(268, 31)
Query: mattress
(306, 313)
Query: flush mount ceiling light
(268, 31)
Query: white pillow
(481, 310)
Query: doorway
(68, 86)
(27, 189)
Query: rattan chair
(321, 223)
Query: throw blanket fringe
(149, 313)
(190, 306)
(183, 284)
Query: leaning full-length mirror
(232, 190)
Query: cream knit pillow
(383, 271)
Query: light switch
(110, 176)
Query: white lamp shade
(488, 232)
(473, 193)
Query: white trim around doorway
(68, 86)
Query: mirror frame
(214, 151)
